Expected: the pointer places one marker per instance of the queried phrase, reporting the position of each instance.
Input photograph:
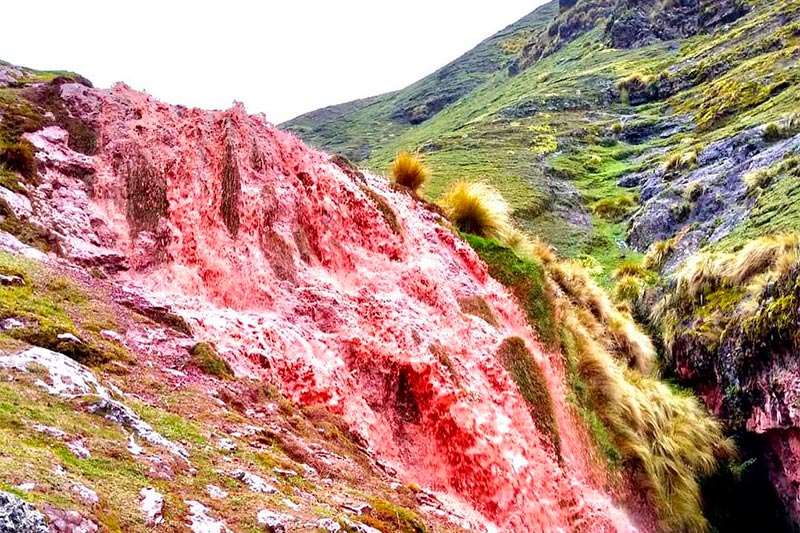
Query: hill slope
(353, 129)
(206, 324)
(557, 137)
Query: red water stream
(291, 267)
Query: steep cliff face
(329, 284)
(736, 345)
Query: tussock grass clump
(629, 267)
(680, 161)
(638, 88)
(19, 157)
(665, 439)
(628, 289)
(709, 271)
(657, 254)
(614, 208)
(477, 208)
(709, 283)
(409, 171)
(782, 129)
(205, 357)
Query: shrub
(205, 357)
(657, 254)
(19, 157)
(409, 171)
(614, 208)
(477, 208)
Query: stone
(11, 281)
(18, 516)
(358, 527)
(226, 445)
(11, 323)
(329, 524)
(152, 506)
(274, 522)
(216, 492)
(200, 522)
(69, 337)
(123, 415)
(254, 482)
(19, 204)
(290, 504)
(67, 377)
(27, 486)
(358, 508)
(64, 521)
(50, 431)
(79, 450)
(86, 495)
(133, 447)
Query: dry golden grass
(743, 275)
(681, 160)
(477, 208)
(667, 439)
(657, 254)
(628, 288)
(409, 171)
(629, 268)
(760, 261)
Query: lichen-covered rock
(68, 521)
(152, 506)
(642, 22)
(746, 370)
(18, 516)
(707, 200)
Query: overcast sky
(281, 58)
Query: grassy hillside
(560, 138)
(355, 128)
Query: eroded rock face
(750, 378)
(636, 23)
(707, 202)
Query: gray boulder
(18, 516)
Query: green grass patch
(525, 279)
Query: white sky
(281, 58)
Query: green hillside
(354, 129)
(581, 118)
